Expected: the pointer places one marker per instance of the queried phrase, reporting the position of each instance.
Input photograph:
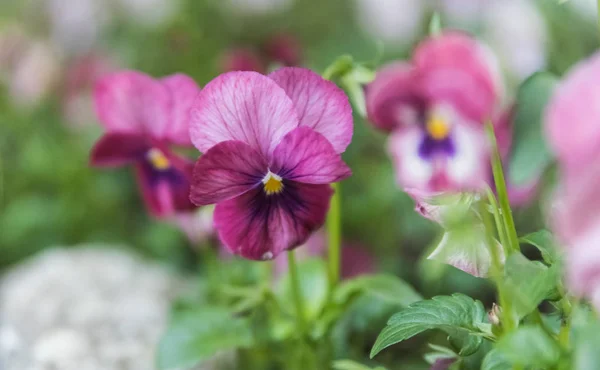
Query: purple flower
(143, 117)
(271, 148)
(435, 108)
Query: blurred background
(52, 51)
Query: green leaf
(585, 340)
(457, 315)
(466, 248)
(529, 346)
(544, 241)
(530, 154)
(382, 287)
(528, 283)
(353, 365)
(314, 286)
(196, 335)
(494, 360)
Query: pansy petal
(259, 227)
(573, 114)
(117, 149)
(184, 91)
(226, 170)
(320, 104)
(244, 106)
(457, 69)
(392, 99)
(468, 168)
(412, 171)
(163, 197)
(307, 156)
(132, 102)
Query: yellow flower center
(158, 159)
(272, 183)
(437, 127)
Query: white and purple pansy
(435, 108)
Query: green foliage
(528, 346)
(544, 241)
(458, 315)
(585, 340)
(530, 154)
(528, 283)
(381, 287)
(494, 360)
(313, 288)
(196, 335)
(352, 365)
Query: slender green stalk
(334, 235)
(296, 292)
(498, 220)
(509, 222)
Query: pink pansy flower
(271, 148)
(573, 132)
(143, 118)
(435, 108)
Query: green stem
(334, 235)
(296, 292)
(497, 219)
(509, 222)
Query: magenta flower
(573, 131)
(435, 108)
(271, 148)
(143, 117)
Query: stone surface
(83, 309)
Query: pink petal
(457, 69)
(118, 149)
(163, 198)
(226, 170)
(573, 114)
(320, 104)
(131, 101)
(244, 106)
(184, 91)
(391, 98)
(306, 156)
(260, 228)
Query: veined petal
(457, 69)
(392, 99)
(226, 170)
(184, 92)
(131, 101)
(412, 171)
(117, 149)
(307, 156)
(573, 114)
(319, 103)
(260, 227)
(244, 106)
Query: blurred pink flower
(355, 260)
(81, 76)
(573, 131)
(143, 118)
(271, 146)
(281, 49)
(435, 108)
(197, 225)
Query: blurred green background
(49, 196)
